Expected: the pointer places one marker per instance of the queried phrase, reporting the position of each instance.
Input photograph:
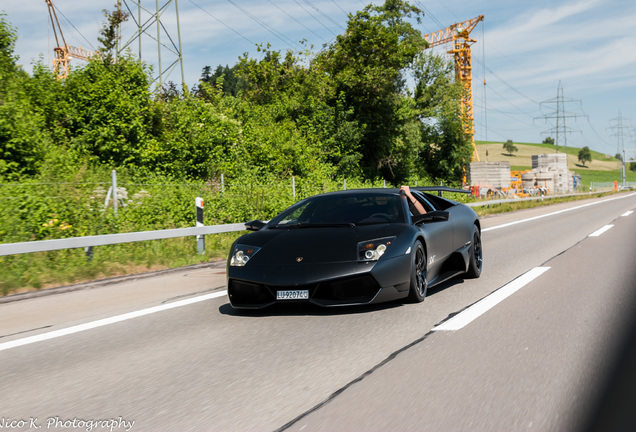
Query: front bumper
(335, 284)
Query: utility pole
(560, 115)
(625, 161)
(620, 129)
(145, 19)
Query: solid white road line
(448, 325)
(482, 306)
(600, 231)
(107, 321)
(554, 213)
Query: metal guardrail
(110, 239)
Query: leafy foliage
(585, 155)
(445, 148)
(344, 113)
(109, 36)
(23, 137)
(510, 147)
(367, 65)
(109, 111)
(224, 78)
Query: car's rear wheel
(476, 256)
(417, 292)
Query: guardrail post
(115, 198)
(88, 252)
(200, 237)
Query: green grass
(588, 176)
(549, 148)
(28, 272)
(602, 169)
(164, 206)
(521, 205)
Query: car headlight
(372, 250)
(241, 254)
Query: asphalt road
(168, 353)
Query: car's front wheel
(418, 273)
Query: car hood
(313, 245)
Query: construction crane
(458, 34)
(64, 52)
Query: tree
(23, 137)
(367, 65)
(445, 148)
(223, 77)
(632, 166)
(510, 148)
(193, 139)
(109, 114)
(585, 155)
(549, 140)
(109, 34)
(293, 120)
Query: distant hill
(522, 159)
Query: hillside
(522, 159)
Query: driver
(414, 201)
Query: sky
(538, 58)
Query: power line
(339, 7)
(221, 22)
(278, 34)
(314, 17)
(57, 8)
(429, 13)
(295, 19)
(324, 15)
(483, 53)
(560, 115)
(620, 129)
(592, 127)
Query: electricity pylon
(560, 115)
(149, 23)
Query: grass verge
(29, 272)
(492, 209)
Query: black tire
(417, 292)
(476, 255)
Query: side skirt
(456, 264)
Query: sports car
(355, 247)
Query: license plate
(292, 295)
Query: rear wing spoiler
(439, 189)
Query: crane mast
(63, 51)
(458, 35)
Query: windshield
(341, 210)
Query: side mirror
(254, 225)
(434, 216)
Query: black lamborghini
(355, 247)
